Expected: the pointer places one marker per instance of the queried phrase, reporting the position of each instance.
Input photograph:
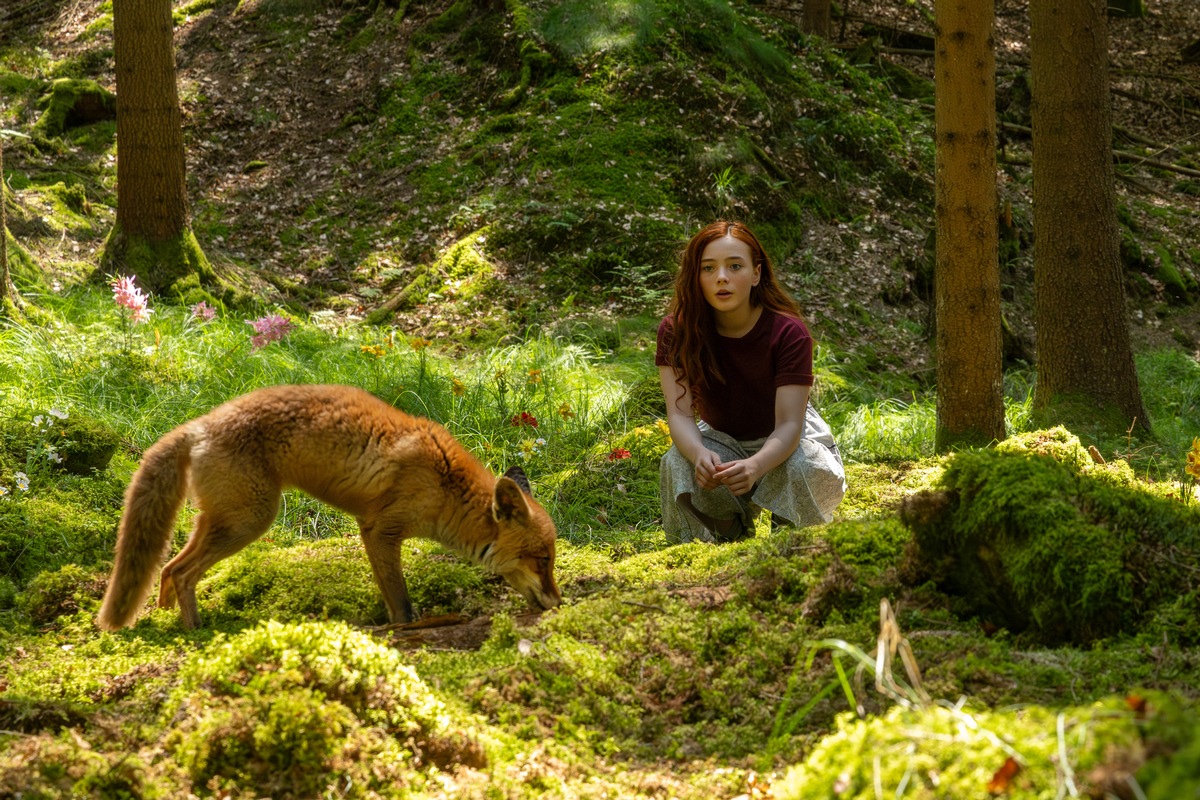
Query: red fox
(400, 476)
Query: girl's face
(727, 274)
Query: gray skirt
(804, 490)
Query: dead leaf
(1002, 780)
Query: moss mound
(325, 579)
(946, 751)
(306, 711)
(1036, 545)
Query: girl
(735, 351)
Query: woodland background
(473, 210)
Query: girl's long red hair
(695, 332)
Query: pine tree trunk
(815, 18)
(1083, 344)
(151, 194)
(967, 273)
(4, 277)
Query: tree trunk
(816, 17)
(1083, 345)
(151, 239)
(970, 407)
(4, 277)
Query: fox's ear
(508, 502)
(518, 476)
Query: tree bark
(4, 278)
(970, 392)
(151, 196)
(816, 18)
(152, 238)
(1084, 350)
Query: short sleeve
(793, 353)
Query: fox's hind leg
(218, 533)
(383, 551)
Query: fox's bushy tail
(152, 502)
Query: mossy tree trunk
(151, 239)
(1083, 344)
(11, 304)
(970, 398)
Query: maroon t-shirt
(778, 351)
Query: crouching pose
(400, 476)
(735, 361)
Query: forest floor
(273, 123)
(270, 126)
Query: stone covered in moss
(1034, 544)
(73, 102)
(74, 442)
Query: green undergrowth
(722, 662)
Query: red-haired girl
(735, 353)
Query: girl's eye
(735, 266)
(707, 267)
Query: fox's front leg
(383, 551)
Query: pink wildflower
(129, 296)
(270, 328)
(618, 454)
(203, 311)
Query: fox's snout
(535, 582)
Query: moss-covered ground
(471, 209)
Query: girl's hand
(739, 476)
(707, 464)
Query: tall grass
(542, 403)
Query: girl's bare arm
(791, 402)
(684, 433)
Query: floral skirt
(804, 490)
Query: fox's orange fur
(400, 476)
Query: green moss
(74, 102)
(57, 523)
(15, 83)
(1180, 286)
(325, 579)
(1032, 544)
(73, 197)
(22, 267)
(195, 8)
(280, 706)
(618, 480)
(1057, 443)
(157, 265)
(63, 591)
(66, 765)
(959, 752)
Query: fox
(400, 476)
